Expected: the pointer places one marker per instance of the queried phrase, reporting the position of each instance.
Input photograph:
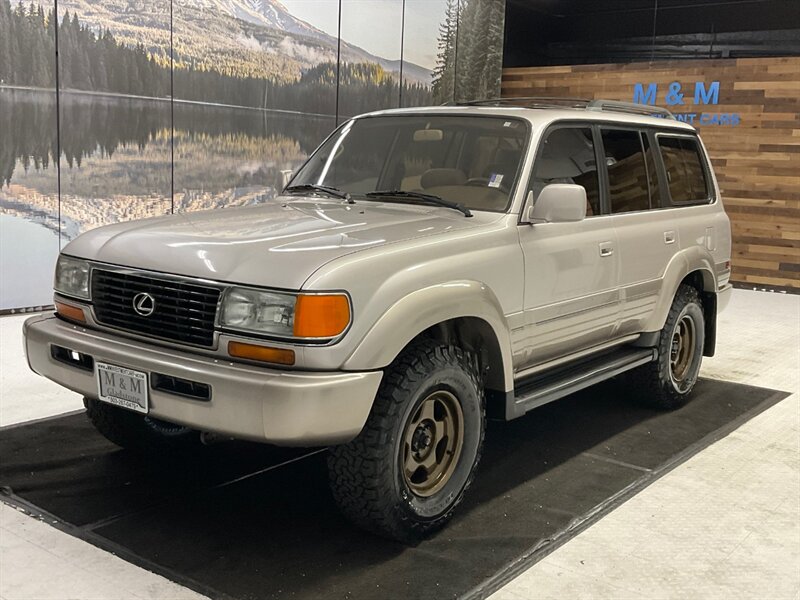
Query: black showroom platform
(249, 521)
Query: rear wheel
(135, 431)
(668, 381)
(408, 469)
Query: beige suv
(424, 268)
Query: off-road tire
(366, 476)
(137, 432)
(655, 385)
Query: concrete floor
(724, 524)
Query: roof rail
(526, 102)
(555, 102)
(630, 107)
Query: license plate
(123, 387)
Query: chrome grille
(184, 312)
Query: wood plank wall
(757, 162)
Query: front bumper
(290, 408)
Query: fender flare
(686, 261)
(424, 308)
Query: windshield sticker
(495, 180)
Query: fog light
(72, 358)
(278, 356)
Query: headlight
(72, 277)
(258, 311)
(317, 316)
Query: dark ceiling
(542, 32)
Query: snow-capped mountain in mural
(250, 36)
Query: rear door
(691, 191)
(571, 269)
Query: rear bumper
(291, 408)
(724, 297)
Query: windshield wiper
(429, 198)
(325, 189)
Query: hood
(278, 244)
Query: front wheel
(408, 469)
(668, 381)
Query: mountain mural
(244, 38)
(253, 90)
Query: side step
(572, 377)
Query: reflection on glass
(28, 151)
(115, 161)
(235, 157)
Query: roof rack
(553, 102)
(526, 102)
(630, 107)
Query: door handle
(606, 249)
(669, 237)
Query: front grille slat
(184, 312)
(112, 286)
(133, 284)
(154, 322)
(184, 306)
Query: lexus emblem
(144, 304)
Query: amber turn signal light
(72, 313)
(321, 315)
(279, 356)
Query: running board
(572, 377)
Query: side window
(567, 156)
(683, 163)
(628, 184)
(652, 173)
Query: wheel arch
(694, 267)
(463, 312)
(705, 284)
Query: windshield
(473, 161)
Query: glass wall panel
(428, 52)
(369, 70)
(479, 49)
(28, 174)
(115, 128)
(255, 92)
(237, 93)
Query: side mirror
(286, 177)
(558, 203)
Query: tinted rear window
(686, 175)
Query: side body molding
(423, 309)
(694, 258)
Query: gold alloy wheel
(682, 349)
(432, 442)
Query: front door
(572, 299)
